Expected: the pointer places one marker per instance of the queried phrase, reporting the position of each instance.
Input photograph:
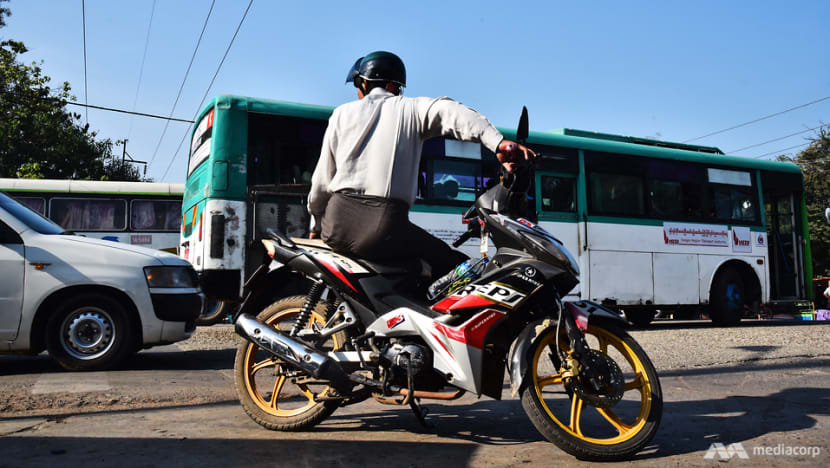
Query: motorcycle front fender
(520, 359)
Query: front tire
(90, 332)
(262, 381)
(615, 433)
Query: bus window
(732, 203)
(616, 194)
(674, 190)
(89, 214)
(34, 204)
(558, 193)
(155, 215)
(282, 150)
(454, 180)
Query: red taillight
(269, 247)
(200, 227)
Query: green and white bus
(654, 225)
(139, 213)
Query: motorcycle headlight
(170, 277)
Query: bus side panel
(675, 279)
(624, 277)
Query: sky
(673, 71)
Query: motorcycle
(364, 330)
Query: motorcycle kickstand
(421, 414)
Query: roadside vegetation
(39, 137)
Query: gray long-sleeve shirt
(373, 145)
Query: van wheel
(728, 298)
(89, 332)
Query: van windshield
(28, 217)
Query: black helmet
(378, 66)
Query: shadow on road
(146, 360)
(90, 452)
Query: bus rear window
(89, 214)
(200, 146)
(155, 215)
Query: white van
(89, 302)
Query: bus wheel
(640, 317)
(728, 298)
(215, 312)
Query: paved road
(176, 406)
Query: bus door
(785, 257)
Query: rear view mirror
(522, 131)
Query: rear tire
(728, 298)
(90, 332)
(262, 381)
(562, 417)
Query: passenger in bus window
(827, 294)
(366, 178)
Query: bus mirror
(522, 131)
(827, 215)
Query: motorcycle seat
(408, 266)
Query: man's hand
(509, 152)
(313, 235)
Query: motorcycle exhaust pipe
(292, 351)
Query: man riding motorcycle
(366, 178)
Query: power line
(199, 108)
(112, 109)
(781, 150)
(186, 73)
(83, 22)
(759, 119)
(775, 139)
(141, 69)
(90, 106)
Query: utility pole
(125, 155)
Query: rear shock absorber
(312, 299)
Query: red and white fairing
(457, 350)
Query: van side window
(8, 236)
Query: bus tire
(728, 299)
(90, 332)
(640, 317)
(215, 312)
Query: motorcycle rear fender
(262, 286)
(584, 312)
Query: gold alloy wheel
(273, 386)
(637, 399)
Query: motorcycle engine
(404, 357)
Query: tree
(814, 162)
(39, 138)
